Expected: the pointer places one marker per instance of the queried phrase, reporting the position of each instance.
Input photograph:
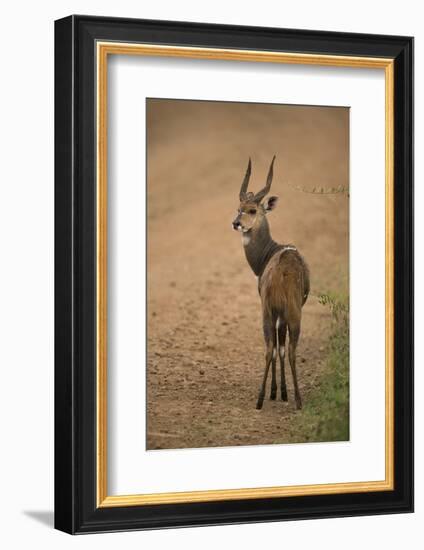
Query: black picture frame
(76, 510)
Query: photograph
(247, 265)
(210, 279)
(233, 254)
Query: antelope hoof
(298, 404)
(273, 395)
(284, 396)
(259, 403)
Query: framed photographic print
(234, 274)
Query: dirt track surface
(205, 345)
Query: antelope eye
(252, 211)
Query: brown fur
(284, 286)
(283, 282)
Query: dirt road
(205, 346)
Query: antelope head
(252, 209)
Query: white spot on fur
(274, 353)
(282, 352)
(245, 239)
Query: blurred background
(205, 345)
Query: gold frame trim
(119, 48)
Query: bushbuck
(283, 282)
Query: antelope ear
(270, 203)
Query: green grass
(325, 416)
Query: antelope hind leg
(273, 394)
(282, 331)
(294, 337)
(270, 337)
(268, 359)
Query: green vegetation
(325, 416)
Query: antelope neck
(260, 248)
